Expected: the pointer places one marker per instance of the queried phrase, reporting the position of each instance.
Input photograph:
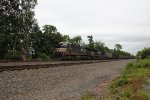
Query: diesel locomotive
(69, 51)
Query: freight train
(67, 51)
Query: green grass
(88, 96)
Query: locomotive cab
(69, 50)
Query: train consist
(68, 51)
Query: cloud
(112, 21)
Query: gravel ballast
(56, 83)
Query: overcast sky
(126, 22)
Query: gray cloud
(111, 21)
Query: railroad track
(11, 66)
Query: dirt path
(57, 83)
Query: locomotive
(67, 51)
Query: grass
(88, 96)
(129, 86)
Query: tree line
(21, 38)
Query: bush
(16, 56)
(122, 81)
(144, 54)
(140, 64)
(43, 56)
(145, 63)
(131, 64)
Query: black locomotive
(75, 52)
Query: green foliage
(142, 94)
(118, 53)
(91, 41)
(144, 54)
(121, 54)
(115, 54)
(123, 80)
(46, 41)
(16, 56)
(66, 38)
(138, 55)
(17, 23)
(88, 96)
(145, 63)
(76, 40)
(139, 64)
(100, 46)
(43, 56)
(118, 46)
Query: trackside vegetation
(130, 84)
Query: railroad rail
(11, 66)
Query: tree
(90, 38)
(116, 51)
(76, 40)
(46, 41)
(66, 38)
(91, 41)
(100, 46)
(118, 47)
(144, 54)
(36, 42)
(17, 19)
(138, 55)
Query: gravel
(57, 83)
